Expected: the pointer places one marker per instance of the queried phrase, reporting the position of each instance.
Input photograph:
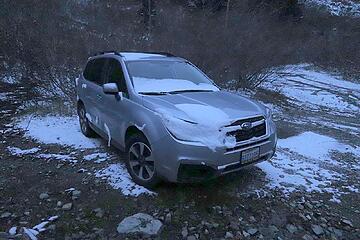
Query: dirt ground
(238, 206)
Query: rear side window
(94, 70)
(114, 74)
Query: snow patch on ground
(56, 130)
(98, 157)
(313, 145)
(3, 96)
(59, 157)
(304, 162)
(118, 177)
(338, 7)
(18, 152)
(316, 90)
(32, 233)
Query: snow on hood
(168, 85)
(206, 107)
(207, 112)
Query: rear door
(115, 111)
(93, 88)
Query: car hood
(204, 107)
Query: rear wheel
(84, 122)
(140, 162)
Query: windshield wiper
(185, 91)
(153, 93)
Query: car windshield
(167, 77)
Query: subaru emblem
(246, 125)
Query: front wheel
(140, 162)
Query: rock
(338, 233)
(215, 225)
(184, 232)
(246, 234)
(252, 231)
(5, 215)
(98, 212)
(12, 231)
(206, 232)
(274, 228)
(168, 218)
(44, 196)
(252, 219)
(234, 226)
(51, 227)
(59, 204)
(308, 205)
(229, 235)
(318, 230)
(75, 194)
(67, 206)
(291, 228)
(307, 237)
(140, 223)
(347, 222)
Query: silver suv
(172, 121)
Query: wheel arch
(132, 130)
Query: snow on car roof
(132, 56)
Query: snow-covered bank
(305, 162)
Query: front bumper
(180, 162)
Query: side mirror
(110, 88)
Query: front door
(115, 107)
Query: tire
(84, 122)
(137, 159)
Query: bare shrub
(231, 40)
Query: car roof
(140, 56)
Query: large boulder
(140, 223)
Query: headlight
(268, 113)
(179, 128)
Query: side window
(88, 70)
(97, 76)
(115, 74)
(94, 69)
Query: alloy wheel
(141, 161)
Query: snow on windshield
(168, 85)
(167, 76)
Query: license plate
(250, 155)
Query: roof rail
(104, 52)
(163, 53)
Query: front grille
(256, 131)
(241, 121)
(247, 145)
